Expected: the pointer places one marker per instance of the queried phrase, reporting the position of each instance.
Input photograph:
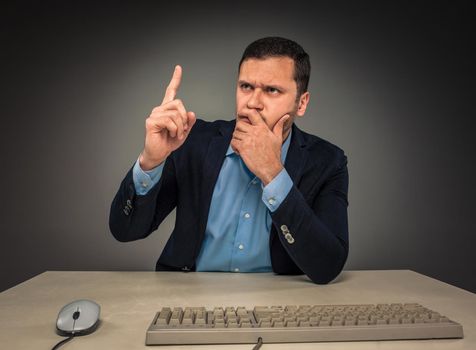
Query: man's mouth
(244, 119)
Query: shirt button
(254, 182)
(272, 201)
(247, 215)
(144, 184)
(241, 246)
(237, 270)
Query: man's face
(267, 86)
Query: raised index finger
(173, 85)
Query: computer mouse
(79, 317)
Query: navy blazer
(309, 233)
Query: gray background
(392, 84)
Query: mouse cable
(64, 341)
(258, 344)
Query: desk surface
(129, 301)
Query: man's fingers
(255, 118)
(174, 85)
(278, 127)
(172, 121)
(234, 146)
(191, 120)
(176, 105)
(164, 123)
(243, 126)
(171, 103)
(239, 135)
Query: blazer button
(289, 238)
(126, 210)
(284, 228)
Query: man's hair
(281, 47)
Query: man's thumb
(278, 127)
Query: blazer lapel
(211, 168)
(297, 155)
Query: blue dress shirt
(238, 226)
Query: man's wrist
(269, 175)
(144, 180)
(147, 164)
(276, 191)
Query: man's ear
(302, 104)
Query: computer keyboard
(303, 323)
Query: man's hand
(167, 127)
(259, 147)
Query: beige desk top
(129, 301)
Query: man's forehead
(267, 70)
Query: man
(253, 194)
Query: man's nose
(254, 101)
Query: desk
(129, 301)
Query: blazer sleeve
(135, 216)
(313, 227)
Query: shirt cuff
(276, 191)
(144, 180)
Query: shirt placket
(245, 224)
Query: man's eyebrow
(278, 87)
(240, 82)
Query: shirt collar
(284, 148)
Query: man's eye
(245, 86)
(273, 91)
